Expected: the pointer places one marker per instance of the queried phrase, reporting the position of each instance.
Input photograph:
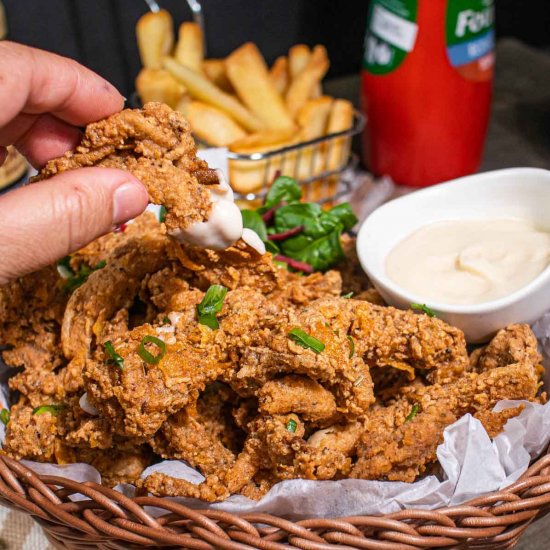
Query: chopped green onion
(305, 340)
(5, 416)
(424, 309)
(351, 346)
(147, 356)
(211, 304)
(114, 357)
(348, 295)
(162, 214)
(413, 413)
(52, 409)
(291, 425)
(358, 381)
(166, 321)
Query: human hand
(45, 98)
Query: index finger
(33, 81)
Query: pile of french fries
(241, 103)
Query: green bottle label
(391, 34)
(470, 37)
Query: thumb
(45, 221)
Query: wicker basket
(109, 520)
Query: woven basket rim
(109, 519)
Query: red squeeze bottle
(426, 87)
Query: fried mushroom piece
(154, 144)
(400, 440)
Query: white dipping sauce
(224, 226)
(469, 261)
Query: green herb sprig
(211, 304)
(414, 411)
(74, 279)
(114, 357)
(424, 309)
(318, 243)
(5, 416)
(305, 340)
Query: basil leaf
(305, 340)
(114, 357)
(283, 188)
(147, 356)
(211, 304)
(253, 220)
(52, 409)
(424, 309)
(321, 253)
(414, 411)
(344, 215)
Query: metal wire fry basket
(319, 165)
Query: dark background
(100, 33)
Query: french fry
(298, 57)
(214, 69)
(340, 119)
(302, 86)
(249, 76)
(262, 141)
(212, 125)
(250, 175)
(279, 74)
(190, 47)
(159, 85)
(313, 117)
(155, 38)
(201, 88)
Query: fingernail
(129, 200)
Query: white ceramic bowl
(511, 193)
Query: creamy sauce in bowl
(469, 261)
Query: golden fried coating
(154, 144)
(401, 439)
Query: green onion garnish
(424, 309)
(52, 409)
(413, 413)
(114, 357)
(348, 295)
(5, 416)
(351, 346)
(359, 380)
(211, 304)
(149, 357)
(305, 340)
(291, 425)
(162, 214)
(166, 321)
